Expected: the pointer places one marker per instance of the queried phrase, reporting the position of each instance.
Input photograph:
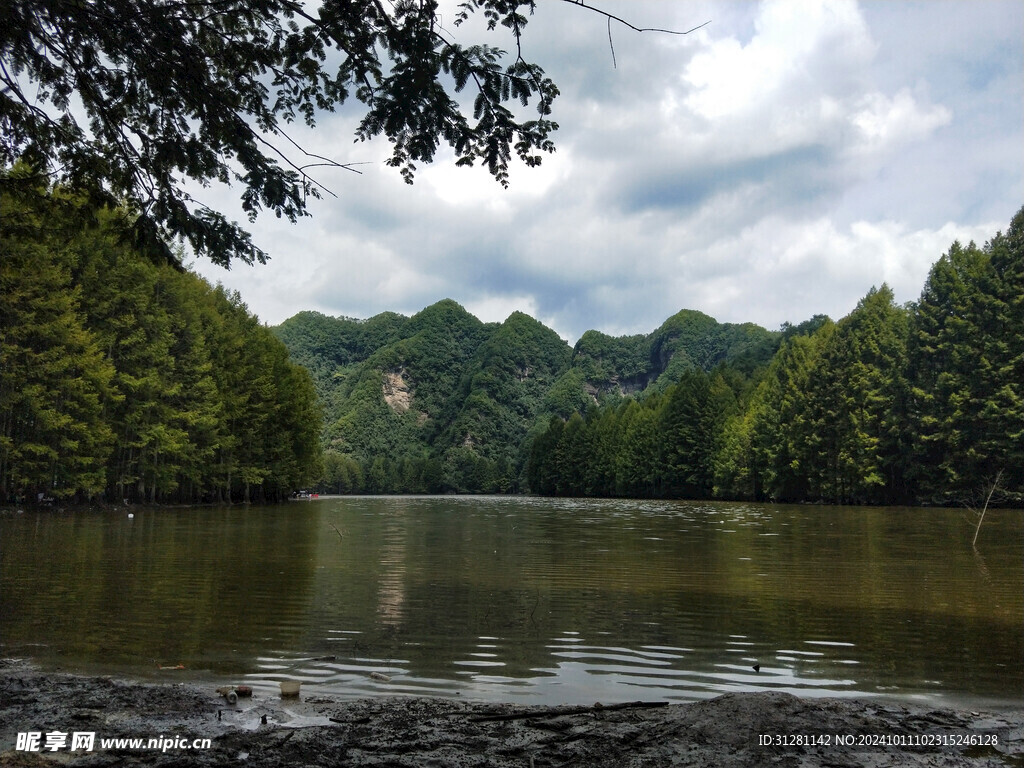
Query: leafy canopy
(127, 99)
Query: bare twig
(612, 17)
(635, 28)
(610, 44)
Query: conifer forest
(122, 379)
(128, 378)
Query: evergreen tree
(600, 477)
(1005, 350)
(691, 422)
(541, 468)
(777, 438)
(571, 458)
(54, 381)
(966, 370)
(737, 476)
(858, 401)
(637, 462)
(123, 377)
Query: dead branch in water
(991, 490)
(563, 711)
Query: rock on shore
(742, 729)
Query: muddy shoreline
(316, 730)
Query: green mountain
(688, 340)
(441, 401)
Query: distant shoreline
(7, 510)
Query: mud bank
(758, 729)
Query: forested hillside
(688, 340)
(922, 403)
(892, 404)
(442, 402)
(124, 379)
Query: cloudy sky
(772, 165)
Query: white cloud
(886, 122)
(801, 80)
(794, 269)
(495, 309)
(797, 42)
(773, 165)
(474, 188)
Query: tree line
(123, 378)
(922, 403)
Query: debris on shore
(199, 729)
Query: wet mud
(741, 729)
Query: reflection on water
(533, 599)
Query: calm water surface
(537, 600)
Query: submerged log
(564, 711)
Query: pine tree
(785, 452)
(736, 474)
(54, 380)
(858, 402)
(949, 366)
(1003, 413)
(541, 470)
(637, 463)
(571, 458)
(967, 371)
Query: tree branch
(991, 490)
(565, 711)
(612, 16)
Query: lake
(526, 599)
